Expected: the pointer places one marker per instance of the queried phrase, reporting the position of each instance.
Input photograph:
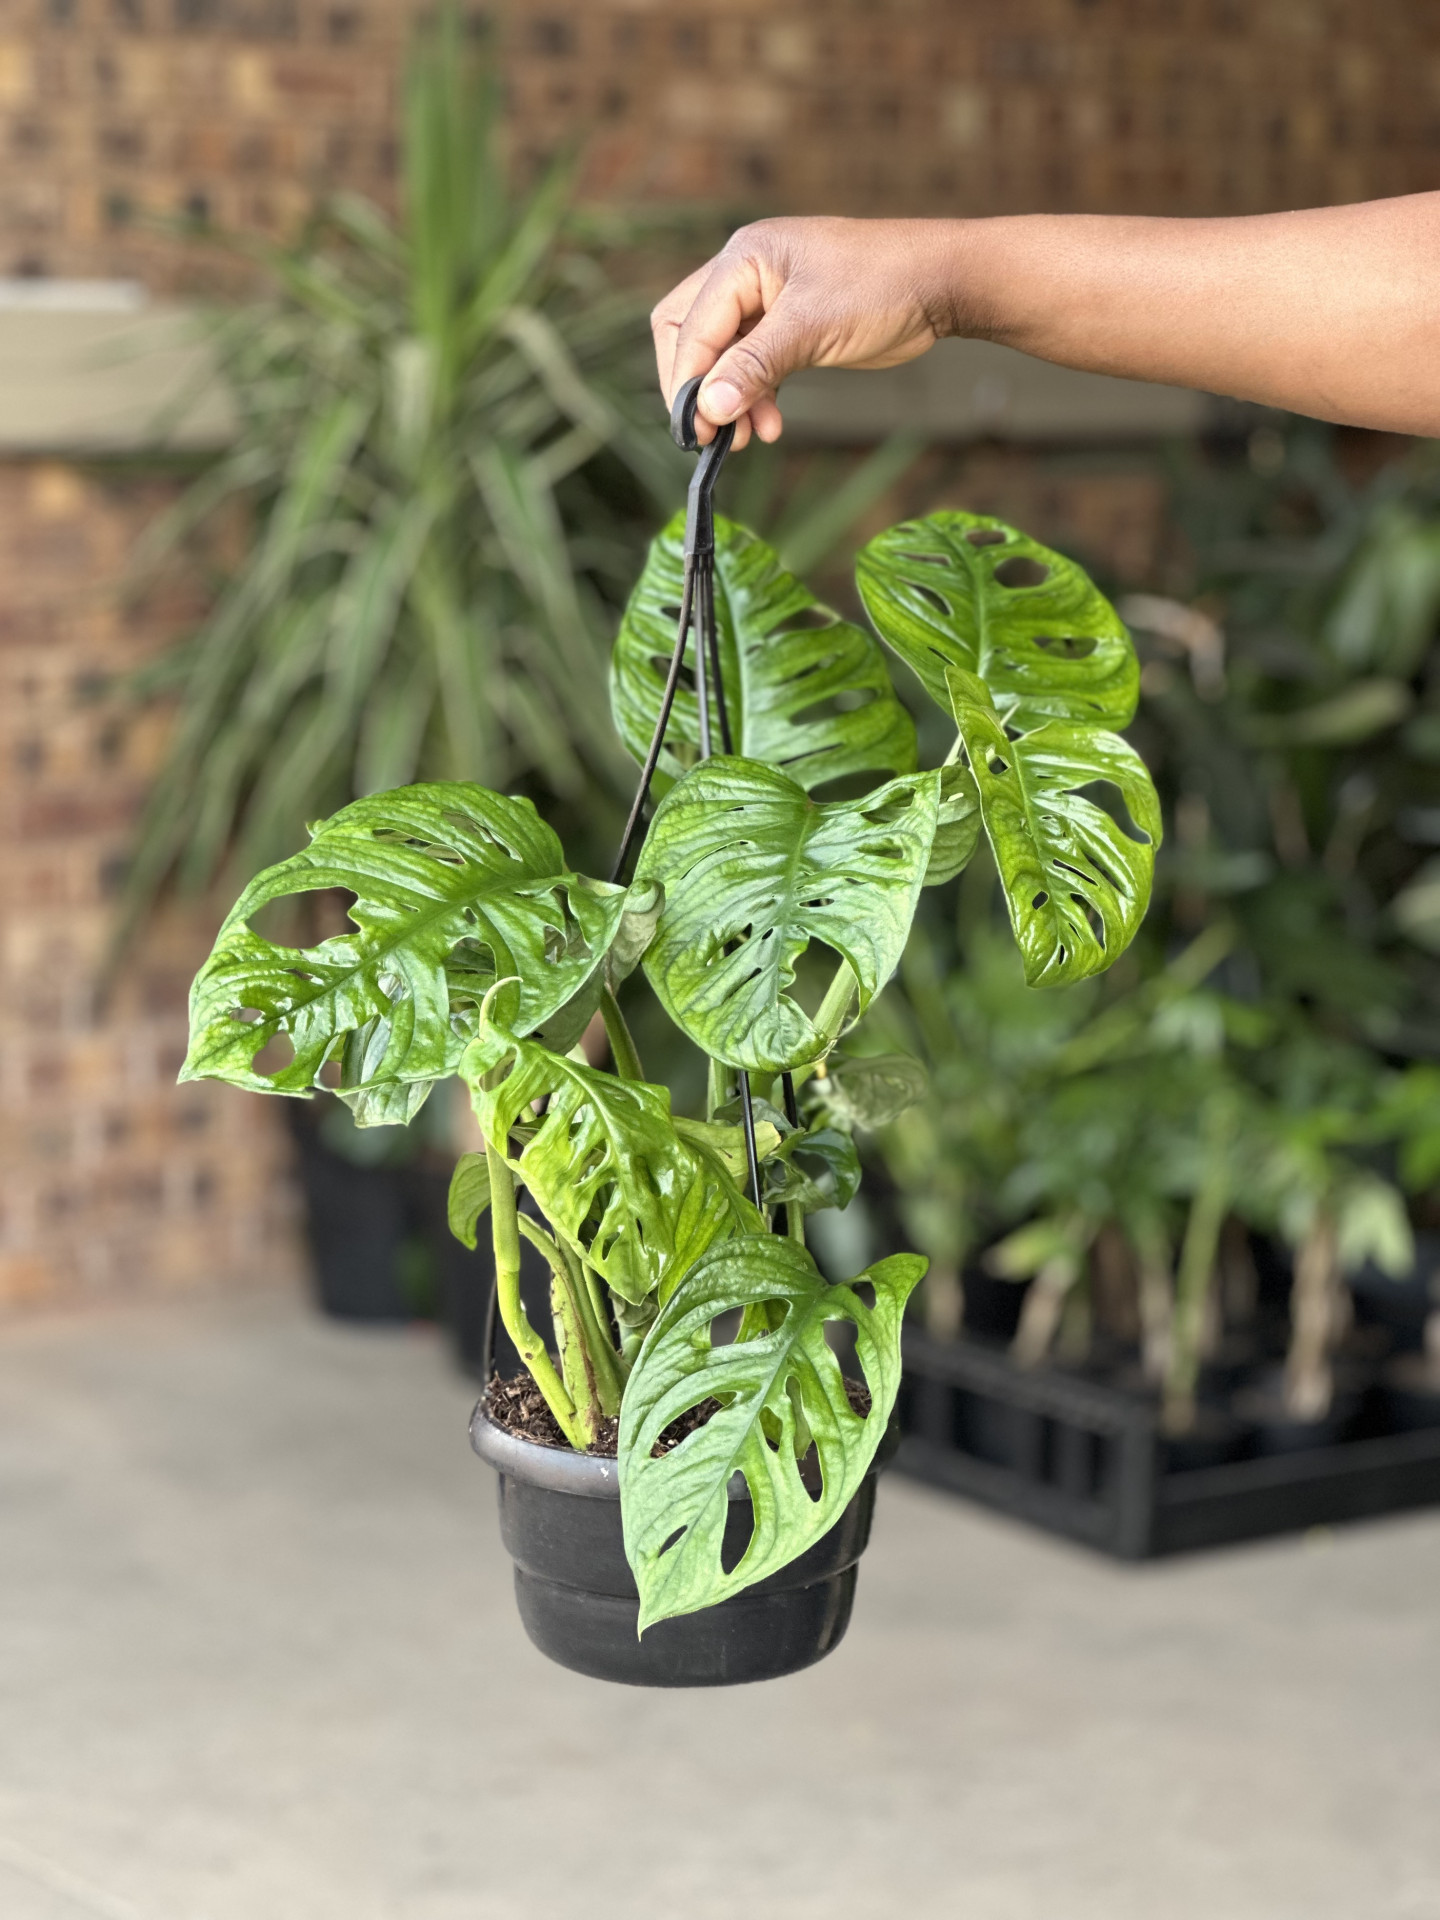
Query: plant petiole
(623, 1050)
(504, 1218)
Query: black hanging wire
(697, 610)
(652, 757)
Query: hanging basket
(560, 1510)
(560, 1521)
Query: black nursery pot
(560, 1520)
(355, 1224)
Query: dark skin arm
(1332, 312)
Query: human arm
(1332, 311)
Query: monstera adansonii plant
(766, 917)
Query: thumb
(753, 368)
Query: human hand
(784, 295)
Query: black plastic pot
(355, 1225)
(1401, 1306)
(1215, 1437)
(1410, 1394)
(560, 1520)
(1275, 1431)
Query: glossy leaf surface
(753, 871)
(758, 1383)
(1076, 883)
(815, 1167)
(804, 689)
(957, 826)
(454, 887)
(963, 590)
(604, 1162)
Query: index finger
(666, 320)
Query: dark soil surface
(518, 1407)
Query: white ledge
(968, 389)
(91, 367)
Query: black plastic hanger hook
(700, 508)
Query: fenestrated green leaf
(604, 1162)
(813, 1168)
(454, 886)
(869, 1090)
(1076, 884)
(728, 1142)
(963, 590)
(804, 689)
(758, 1383)
(635, 932)
(753, 871)
(469, 1197)
(957, 830)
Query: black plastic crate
(1086, 1460)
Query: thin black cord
(792, 1110)
(707, 642)
(712, 631)
(657, 739)
(702, 650)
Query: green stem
(835, 1005)
(504, 1217)
(830, 1018)
(590, 1383)
(623, 1050)
(576, 1366)
(795, 1221)
(633, 1318)
(717, 1087)
(613, 1361)
(596, 1325)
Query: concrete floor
(258, 1661)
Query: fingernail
(721, 401)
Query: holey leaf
(962, 590)
(753, 871)
(1076, 883)
(804, 689)
(957, 829)
(675, 1507)
(453, 887)
(604, 1162)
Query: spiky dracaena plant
(476, 950)
(436, 419)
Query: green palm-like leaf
(804, 689)
(758, 1383)
(605, 1162)
(963, 590)
(454, 886)
(1076, 883)
(753, 870)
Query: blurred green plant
(1258, 1060)
(1291, 715)
(447, 450)
(449, 457)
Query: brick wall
(114, 1180)
(242, 109)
